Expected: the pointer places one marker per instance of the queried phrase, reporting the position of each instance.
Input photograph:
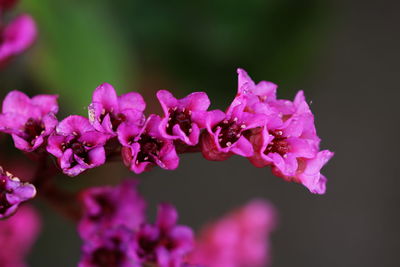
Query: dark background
(344, 54)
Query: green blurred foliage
(78, 48)
(199, 44)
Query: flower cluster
(256, 125)
(17, 36)
(17, 235)
(115, 233)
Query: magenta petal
(65, 159)
(74, 125)
(152, 125)
(131, 100)
(22, 193)
(301, 148)
(267, 90)
(170, 159)
(17, 36)
(212, 118)
(243, 147)
(167, 100)
(17, 102)
(167, 216)
(21, 143)
(105, 95)
(97, 156)
(12, 123)
(90, 139)
(127, 133)
(245, 83)
(54, 145)
(196, 101)
(46, 103)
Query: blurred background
(344, 54)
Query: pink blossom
(225, 132)
(165, 243)
(145, 147)
(29, 120)
(182, 117)
(107, 110)
(16, 37)
(239, 239)
(17, 235)
(106, 207)
(77, 145)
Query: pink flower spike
(181, 121)
(17, 37)
(107, 110)
(239, 239)
(146, 147)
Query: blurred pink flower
(17, 235)
(16, 37)
(239, 239)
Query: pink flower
(17, 235)
(239, 239)
(16, 37)
(106, 207)
(145, 147)
(77, 145)
(183, 117)
(263, 92)
(107, 110)
(225, 133)
(283, 145)
(115, 247)
(165, 243)
(12, 193)
(309, 173)
(29, 120)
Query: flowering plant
(268, 131)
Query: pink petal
(74, 124)
(106, 96)
(46, 103)
(131, 100)
(197, 101)
(167, 100)
(17, 36)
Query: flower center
(149, 148)
(230, 132)
(278, 144)
(116, 120)
(105, 257)
(182, 117)
(33, 129)
(77, 148)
